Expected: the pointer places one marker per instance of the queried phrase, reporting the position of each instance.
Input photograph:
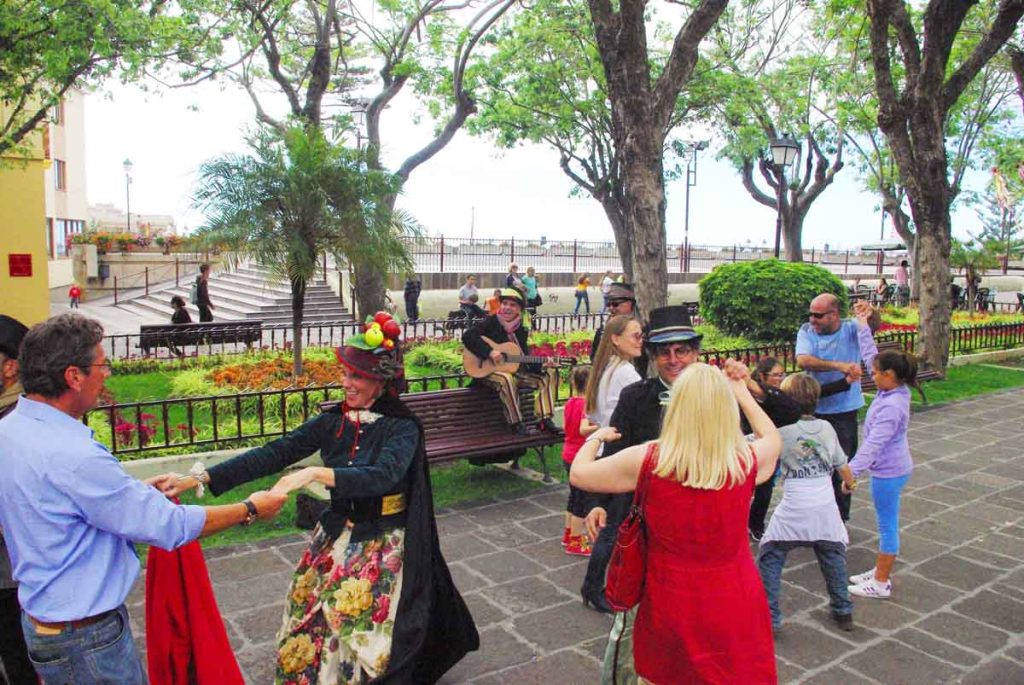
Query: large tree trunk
(934, 298)
(371, 284)
(616, 214)
(792, 232)
(645, 197)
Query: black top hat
(11, 333)
(671, 324)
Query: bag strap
(644, 479)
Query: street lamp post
(127, 193)
(784, 153)
(691, 180)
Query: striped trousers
(512, 387)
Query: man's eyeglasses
(103, 365)
(616, 303)
(818, 315)
(780, 374)
(665, 351)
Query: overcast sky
(520, 193)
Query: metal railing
(153, 275)
(444, 254)
(278, 336)
(228, 420)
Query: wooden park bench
(470, 423)
(867, 382)
(176, 335)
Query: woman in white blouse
(612, 368)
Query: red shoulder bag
(629, 558)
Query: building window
(49, 237)
(60, 175)
(57, 113)
(61, 232)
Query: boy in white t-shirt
(808, 515)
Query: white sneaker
(862, 577)
(872, 588)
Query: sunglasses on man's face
(818, 315)
(616, 303)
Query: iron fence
(279, 337)
(460, 255)
(221, 421)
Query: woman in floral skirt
(372, 599)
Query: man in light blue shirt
(829, 349)
(70, 513)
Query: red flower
(380, 614)
(393, 563)
(371, 572)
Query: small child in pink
(577, 428)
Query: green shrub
(194, 383)
(765, 300)
(438, 356)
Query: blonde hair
(803, 389)
(605, 356)
(701, 445)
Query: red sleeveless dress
(703, 617)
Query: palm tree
(294, 197)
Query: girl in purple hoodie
(885, 454)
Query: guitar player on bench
(506, 327)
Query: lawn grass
(963, 382)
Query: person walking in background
(885, 454)
(531, 284)
(902, 284)
(74, 295)
(807, 516)
(577, 427)
(411, 293)
(703, 615)
(13, 652)
(606, 283)
(582, 283)
(202, 298)
(514, 280)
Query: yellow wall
(22, 226)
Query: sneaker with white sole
(862, 577)
(872, 588)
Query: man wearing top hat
(672, 344)
(13, 653)
(620, 300)
(507, 326)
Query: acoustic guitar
(513, 357)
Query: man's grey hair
(51, 347)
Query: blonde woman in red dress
(703, 615)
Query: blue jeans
(885, 492)
(584, 297)
(831, 560)
(102, 653)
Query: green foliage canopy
(765, 300)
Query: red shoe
(565, 538)
(579, 546)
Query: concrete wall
(22, 221)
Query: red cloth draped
(186, 643)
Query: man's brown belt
(45, 628)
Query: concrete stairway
(250, 292)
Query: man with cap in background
(13, 653)
(507, 326)
(673, 344)
(620, 300)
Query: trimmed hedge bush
(765, 300)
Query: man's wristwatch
(252, 514)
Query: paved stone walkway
(956, 615)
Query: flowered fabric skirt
(341, 608)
